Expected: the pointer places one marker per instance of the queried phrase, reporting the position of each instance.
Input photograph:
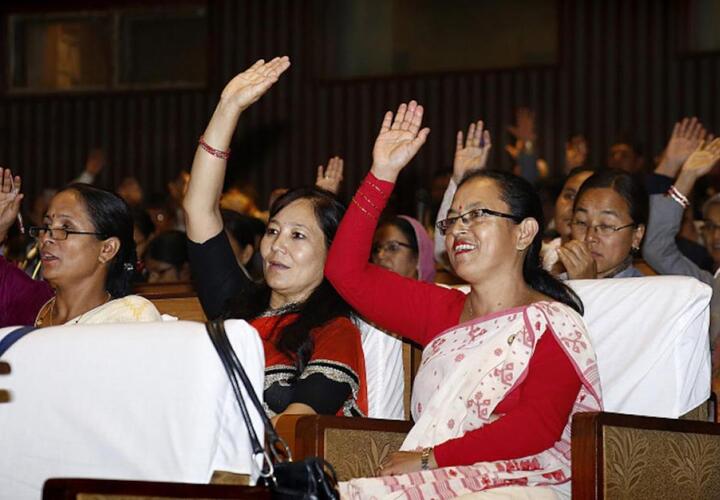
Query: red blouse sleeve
(537, 421)
(413, 309)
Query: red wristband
(224, 155)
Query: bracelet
(223, 155)
(678, 197)
(425, 458)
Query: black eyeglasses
(389, 247)
(473, 217)
(57, 233)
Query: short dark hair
(523, 202)
(244, 228)
(110, 216)
(630, 187)
(170, 247)
(143, 221)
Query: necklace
(290, 307)
(51, 312)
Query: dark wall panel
(619, 70)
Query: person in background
(94, 164)
(626, 155)
(130, 190)
(666, 214)
(20, 296)
(562, 218)
(609, 219)
(166, 258)
(244, 234)
(143, 229)
(402, 245)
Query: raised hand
(524, 128)
(703, 159)
(251, 84)
(577, 260)
(686, 136)
(95, 161)
(330, 178)
(399, 140)
(474, 154)
(576, 152)
(10, 199)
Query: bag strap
(12, 337)
(234, 369)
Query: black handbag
(310, 479)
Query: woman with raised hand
(504, 367)
(313, 357)
(88, 256)
(21, 297)
(666, 213)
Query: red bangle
(224, 155)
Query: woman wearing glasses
(504, 367)
(88, 256)
(402, 245)
(609, 219)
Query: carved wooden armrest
(354, 446)
(627, 456)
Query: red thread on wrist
(223, 155)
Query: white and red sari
(465, 373)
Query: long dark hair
(111, 217)
(523, 202)
(324, 303)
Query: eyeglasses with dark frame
(58, 233)
(471, 217)
(600, 229)
(391, 246)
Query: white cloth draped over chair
(651, 338)
(142, 401)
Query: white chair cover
(652, 342)
(383, 371)
(147, 401)
(651, 339)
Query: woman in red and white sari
(504, 367)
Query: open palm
(686, 137)
(473, 155)
(251, 84)
(703, 159)
(399, 139)
(9, 199)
